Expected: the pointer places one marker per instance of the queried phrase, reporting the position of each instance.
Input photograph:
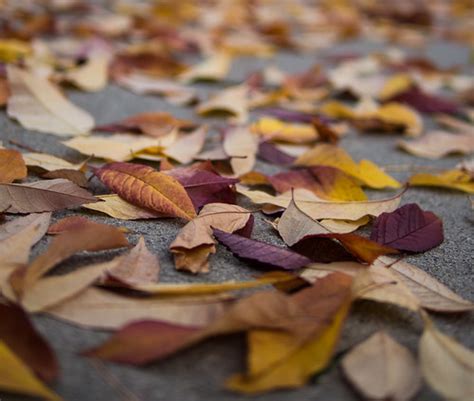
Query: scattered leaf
(451, 179)
(232, 100)
(242, 148)
(186, 148)
(214, 68)
(12, 166)
(277, 130)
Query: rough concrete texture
(199, 373)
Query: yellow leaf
(366, 171)
(452, 179)
(272, 128)
(16, 377)
(396, 84)
(280, 360)
(12, 49)
(337, 110)
(400, 114)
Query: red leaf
(260, 253)
(17, 332)
(408, 228)
(270, 153)
(426, 102)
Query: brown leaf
(381, 369)
(12, 166)
(75, 176)
(42, 196)
(187, 147)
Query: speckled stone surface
(199, 373)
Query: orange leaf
(12, 166)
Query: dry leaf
(103, 309)
(195, 242)
(118, 208)
(38, 105)
(12, 166)
(451, 179)
(447, 366)
(242, 147)
(16, 377)
(12, 50)
(232, 100)
(214, 68)
(187, 147)
(145, 187)
(277, 130)
(48, 162)
(436, 144)
(42, 196)
(382, 369)
(92, 76)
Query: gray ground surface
(199, 373)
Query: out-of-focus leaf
(381, 369)
(277, 130)
(39, 105)
(261, 253)
(408, 228)
(186, 148)
(12, 50)
(451, 179)
(92, 76)
(16, 377)
(447, 366)
(270, 153)
(214, 68)
(232, 100)
(145, 187)
(195, 242)
(12, 166)
(426, 102)
(42, 196)
(242, 146)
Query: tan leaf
(232, 100)
(118, 208)
(92, 76)
(187, 147)
(12, 166)
(48, 162)
(382, 369)
(194, 243)
(102, 309)
(436, 144)
(42, 196)
(447, 366)
(242, 146)
(214, 68)
(40, 106)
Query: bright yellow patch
(452, 179)
(396, 84)
(12, 49)
(275, 129)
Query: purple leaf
(408, 228)
(426, 102)
(270, 153)
(260, 253)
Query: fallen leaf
(42, 196)
(4, 92)
(431, 294)
(451, 179)
(138, 267)
(48, 162)
(91, 76)
(96, 308)
(187, 147)
(118, 208)
(436, 144)
(195, 242)
(12, 50)
(396, 84)
(39, 105)
(16, 377)
(319, 209)
(273, 129)
(426, 102)
(93, 237)
(12, 166)
(408, 228)
(69, 224)
(333, 156)
(75, 176)
(242, 147)
(232, 100)
(260, 253)
(447, 366)
(19, 335)
(381, 369)
(214, 68)
(270, 153)
(18, 236)
(145, 187)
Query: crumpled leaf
(232, 100)
(447, 366)
(273, 129)
(195, 242)
(20, 336)
(16, 377)
(187, 147)
(436, 144)
(408, 228)
(145, 187)
(42, 196)
(319, 209)
(260, 253)
(366, 171)
(96, 308)
(214, 68)
(381, 369)
(118, 208)
(451, 179)
(19, 235)
(242, 147)
(12, 166)
(93, 237)
(40, 106)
